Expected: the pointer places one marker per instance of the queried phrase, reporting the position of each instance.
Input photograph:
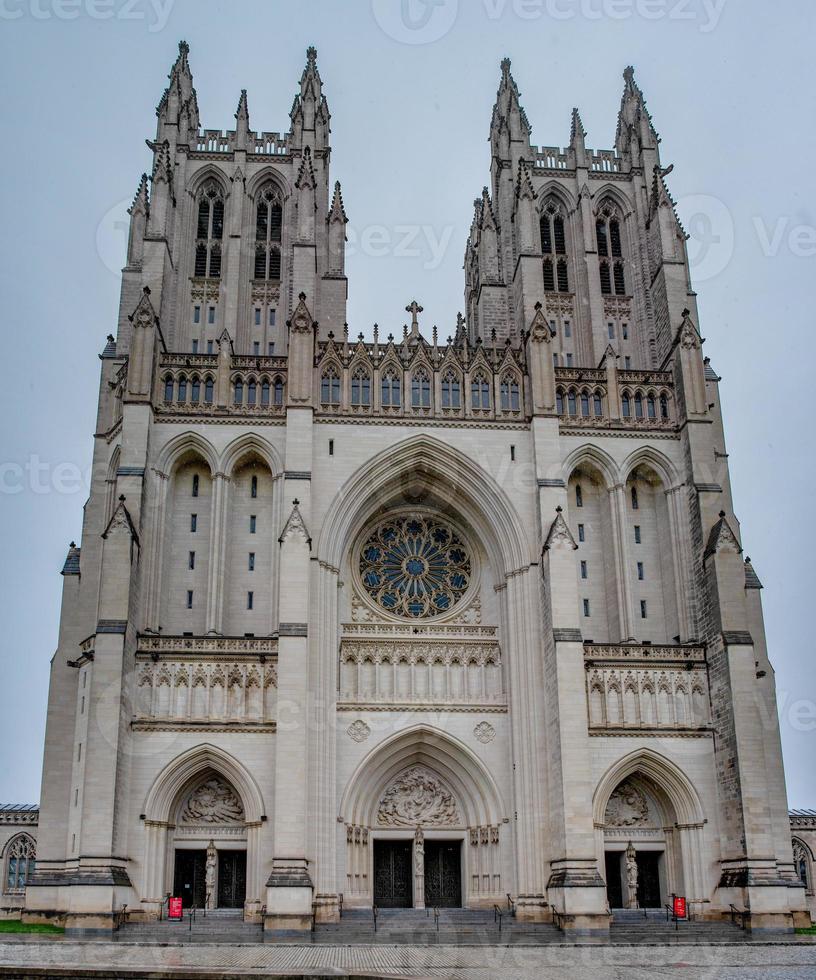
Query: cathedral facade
(408, 621)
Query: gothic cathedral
(405, 621)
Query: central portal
(443, 874)
(393, 871)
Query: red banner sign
(175, 909)
(679, 907)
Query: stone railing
(258, 144)
(605, 161)
(204, 647)
(551, 158)
(637, 688)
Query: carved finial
(73, 544)
(722, 514)
(537, 307)
(122, 498)
(296, 502)
(311, 55)
(302, 297)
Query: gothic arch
(268, 175)
(618, 198)
(457, 767)
(656, 460)
(208, 172)
(597, 459)
(247, 445)
(180, 446)
(660, 771)
(476, 495)
(551, 189)
(178, 774)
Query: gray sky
(730, 87)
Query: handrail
(207, 899)
(558, 919)
(742, 913)
(192, 915)
(314, 916)
(436, 918)
(165, 901)
(340, 904)
(672, 916)
(375, 912)
(120, 917)
(511, 906)
(498, 914)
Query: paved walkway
(788, 961)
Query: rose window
(415, 567)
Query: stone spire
(139, 213)
(337, 222)
(509, 124)
(577, 140)
(310, 111)
(177, 110)
(489, 262)
(242, 122)
(635, 133)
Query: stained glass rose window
(415, 566)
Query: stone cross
(414, 308)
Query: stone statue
(209, 875)
(632, 876)
(419, 868)
(419, 852)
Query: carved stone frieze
(627, 807)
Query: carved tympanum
(627, 807)
(213, 802)
(418, 798)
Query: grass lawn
(15, 926)
(806, 932)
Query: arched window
(209, 231)
(208, 391)
(635, 501)
(664, 407)
(639, 405)
(268, 234)
(480, 393)
(252, 392)
(510, 398)
(195, 484)
(391, 396)
(585, 404)
(20, 856)
(554, 242)
(330, 387)
(800, 860)
(559, 402)
(626, 404)
(361, 388)
(579, 495)
(598, 405)
(420, 390)
(265, 393)
(168, 388)
(571, 403)
(253, 487)
(610, 247)
(451, 391)
(195, 391)
(182, 388)
(650, 407)
(239, 391)
(278, 391)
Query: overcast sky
(410, 87)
